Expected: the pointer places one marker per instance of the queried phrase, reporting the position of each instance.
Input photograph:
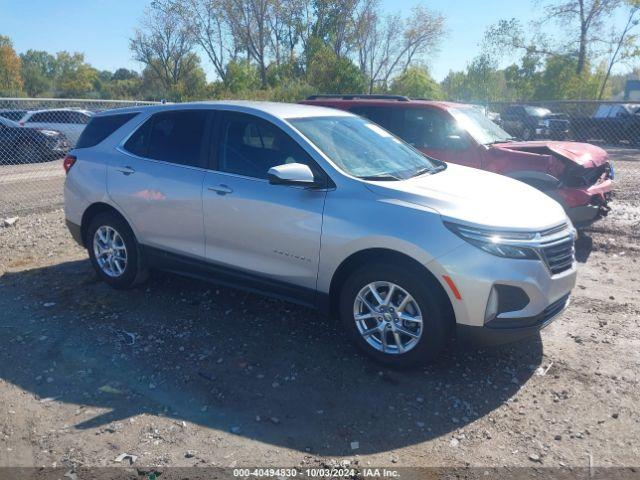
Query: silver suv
(323, 208)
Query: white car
(70, 122)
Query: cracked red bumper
(587, 204)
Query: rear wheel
(527, 134)
(114, 252)
(394, 314)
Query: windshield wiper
(385, 177)
(507, 140)
(431, 170)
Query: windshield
(363, 149)
(478, 125)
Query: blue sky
(101, 28)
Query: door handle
(126, 170)
(220, 189)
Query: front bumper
(491, 335)
(586, 205)
(475, 272)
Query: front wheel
(394, 314)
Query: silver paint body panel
(301, 236)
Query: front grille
(558, 254)
(552, 230)
(559, 124)
(585, 177)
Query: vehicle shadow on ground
(227, 360)
(584, 247)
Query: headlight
(499, 243)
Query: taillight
(22, 124)
(68, 162)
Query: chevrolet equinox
(326, 209)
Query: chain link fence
(35, 135)
(605, 123)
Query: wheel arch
(96, 209)
(357, 259)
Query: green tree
(560, 81)
(74, 77)
(329, 73)
(10, 66)
(38, 72)
(417, 83)
(522, 80)
(241, 76)
(481, 82)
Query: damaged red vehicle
(578, 175)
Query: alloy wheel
(110, 251)
(388, 317)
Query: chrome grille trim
(557, 248)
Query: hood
(583, 154)
(477, 197)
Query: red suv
(578, 175)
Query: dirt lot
(184, 373)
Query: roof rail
(363, 96)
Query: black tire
(134, 271)
(435, 320)
(527, 134)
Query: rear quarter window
(100, 128)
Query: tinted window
(430, 129)
(250, 146)
(139, 141)
(78, 117)
(174, 137)
(388, 118)
(100, 128)
(43, 117)
(421, 127)
(13, 115)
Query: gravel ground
(183, 373)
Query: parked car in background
(611, 123)
(323, 208)
(14, 115)
(29, 145)
(577, 175)
(70, 122)
(529, 122)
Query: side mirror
(291, 174)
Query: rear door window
(100, 128)
(174, 137)
(391, 119)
